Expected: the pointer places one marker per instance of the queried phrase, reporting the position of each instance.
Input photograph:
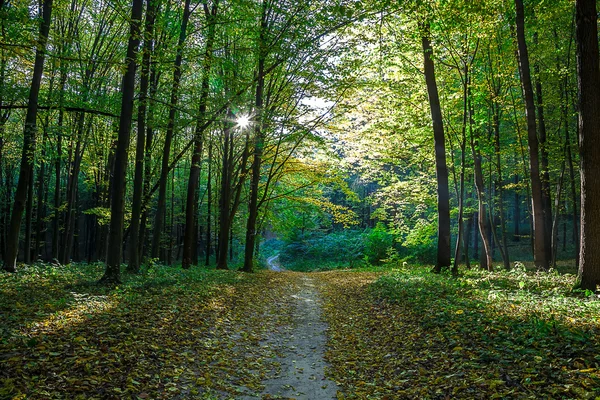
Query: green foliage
(338, 248)
(378, 242)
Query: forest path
(301, 349)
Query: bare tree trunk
(540, 251)
(117, 206)
(546, 196)
(588, 83)
(209, 204)
(443, 196)
(517, 214)
(136, 206)
(28, 220)
(162, 191)
(555, 222)
(461, 196)
(12, 245)
(499, 187)
(191, 222)
(256, 164)
(225, 198)
(41, 203)
(486, 255)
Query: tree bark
(546, 195)
(443, 196)
(540, 255)
(191, 221)
(225, 197)
(29, 131)
(136, 206)
(588, 83)
(164, 175)
(112, 275)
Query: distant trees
(334, 80)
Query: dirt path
(300, 348)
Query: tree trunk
(540, 255)
(41, 203)
(112, 275)
(486, 255)
(555, 222)
(499, 188)
(209, 204)
(136, 206)
(461, 195)
(443, 196)
(225, 197)
(588, 83)
(191, 222)
(546, 197)
(517, 214)
(27, 156)
(162, 191)
(28, 220)
(257, 153)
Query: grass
(409, 333)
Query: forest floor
(385, 334)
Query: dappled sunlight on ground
(413, 334)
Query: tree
(134, 250)
(29, 133)
(588, 83)
(540, 252)
(443, 196)
(112, 273)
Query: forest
(175, 173)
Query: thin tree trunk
(499, 188)
(27, 156)
(555, 222)
(251, 232)
(225, 197)
(136, 206)
(546, 197)
(461, 196)
(162, 191)
(443, 196)
(517, 214)
(486, 255)
(117, 206)
(191, 222)
(41, 203)
(209, 203)
(28, 220)
(540, 251)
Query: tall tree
(162, 191)
(443, 196)
(191, 221)
(29, 132)
(588, 82)
(540, 255)
(115, 236)
(136, 208)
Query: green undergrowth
(522, 332)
